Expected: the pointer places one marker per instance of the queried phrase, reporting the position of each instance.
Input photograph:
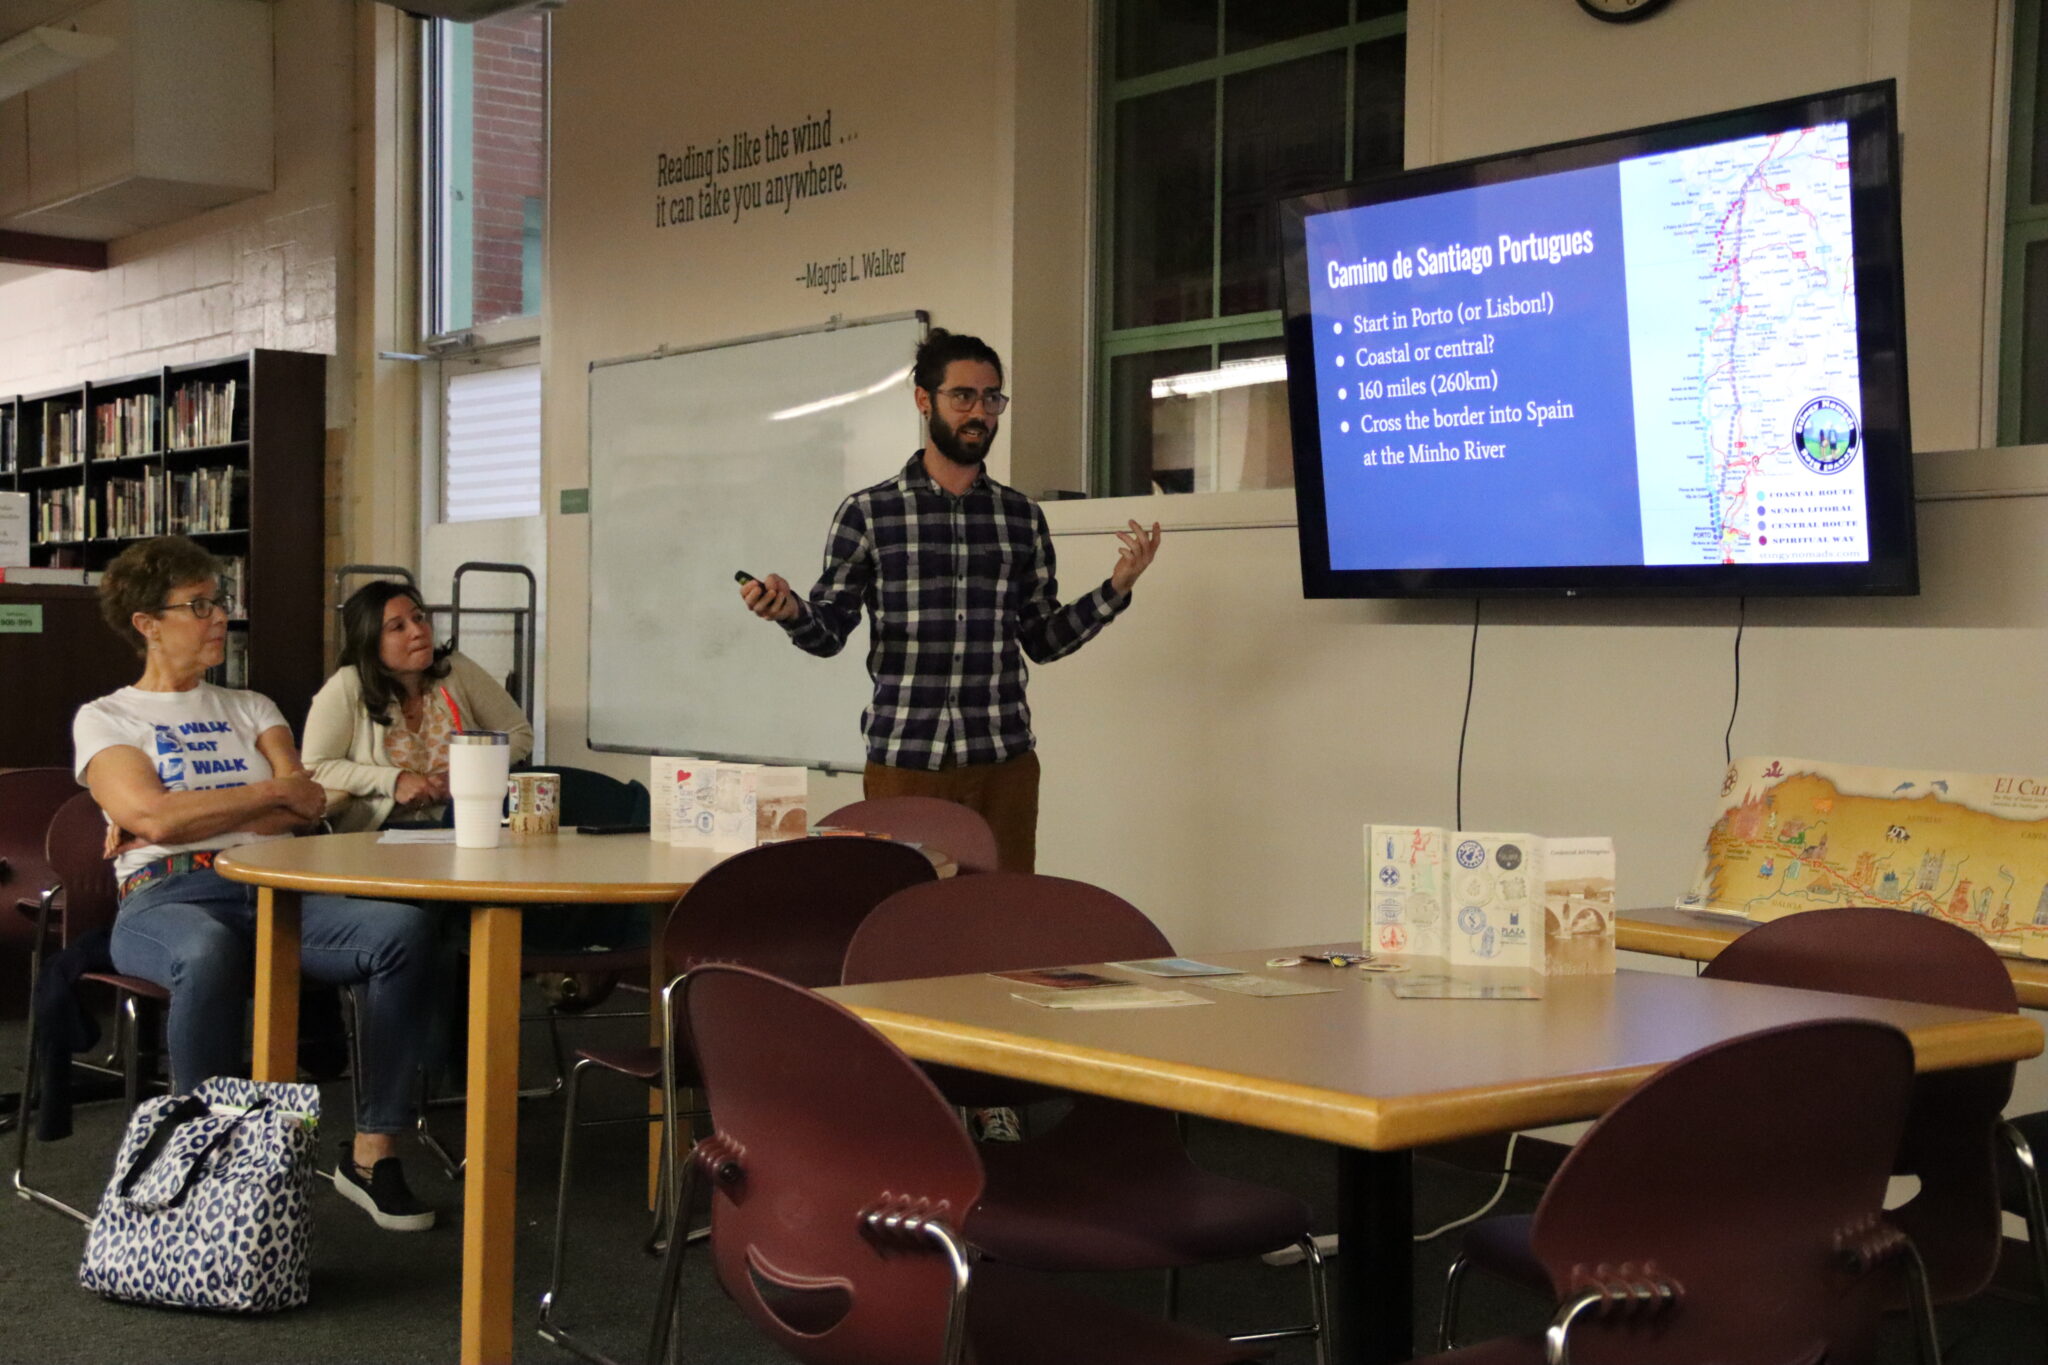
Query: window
(1215, 111)
(486, 171)
(490, 443)
(2023, 353)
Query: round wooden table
(526, 869)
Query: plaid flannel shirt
(958, 591)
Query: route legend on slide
(1652, 362)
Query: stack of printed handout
(1075, 988)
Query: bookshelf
(230, 452)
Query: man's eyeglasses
(201, 607)
(963, 400)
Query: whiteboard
(734, 457)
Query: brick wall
(508, 85)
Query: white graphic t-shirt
(197, 741)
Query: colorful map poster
(1795, 834)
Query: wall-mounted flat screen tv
(1669, 361)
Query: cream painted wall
(922, 99)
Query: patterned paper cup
(536, 802)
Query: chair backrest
(29, 797)
(594, 798)
(821, 1122)
(1737, 1173)
(1000, 922)
(1951, 1138)
(951, 828)
(789, 908)
(74, 848)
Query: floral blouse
(425, 750)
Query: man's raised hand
(1135, 556)
(769, 598)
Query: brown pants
(1005, 794)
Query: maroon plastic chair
(951, 828)
(73, 850)
(788, 908)
(1111, 1187)
(29, 797)
(1730, 1209)
(839, 1177)
(1952, 1132)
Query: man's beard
(946, 439)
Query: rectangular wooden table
(1378, 1076)
(1664, 931)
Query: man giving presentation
(956, 573)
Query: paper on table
(1432, 986)
(1108, 998)
(1176, 966)
(1060, 978)
(417, 836)
(1264, 985)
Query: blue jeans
(195, 935)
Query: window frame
(1112, 343)
(2025, 223)
(438, 141)
(434, 379)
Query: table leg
(1373, 1287)
(277, 985)
(489, 1180)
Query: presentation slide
(1652, 362)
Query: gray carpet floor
(385, 1297)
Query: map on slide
(1796, 835)
(1742, 327)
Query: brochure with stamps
(1490, 900)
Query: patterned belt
(175, 865)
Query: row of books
(155, 502)
(207, 499)
(59, 436)
(64, 514)
(201, 415)
(7, 443)
(134, 507)
(126, 426)
(233, 669)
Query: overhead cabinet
(175, 120)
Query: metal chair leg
(129, 1042)
(663, 1343)
(1318, 1295)
(22, 1188)
(2037, 1210)
(551, 1299)
(1454, 1284)
(1920, 1304)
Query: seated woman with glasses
(377, 736)
(184, 769)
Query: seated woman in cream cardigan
(377, 736)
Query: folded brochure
(1175, 966)
(1121, 996)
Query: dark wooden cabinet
(48, 672)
